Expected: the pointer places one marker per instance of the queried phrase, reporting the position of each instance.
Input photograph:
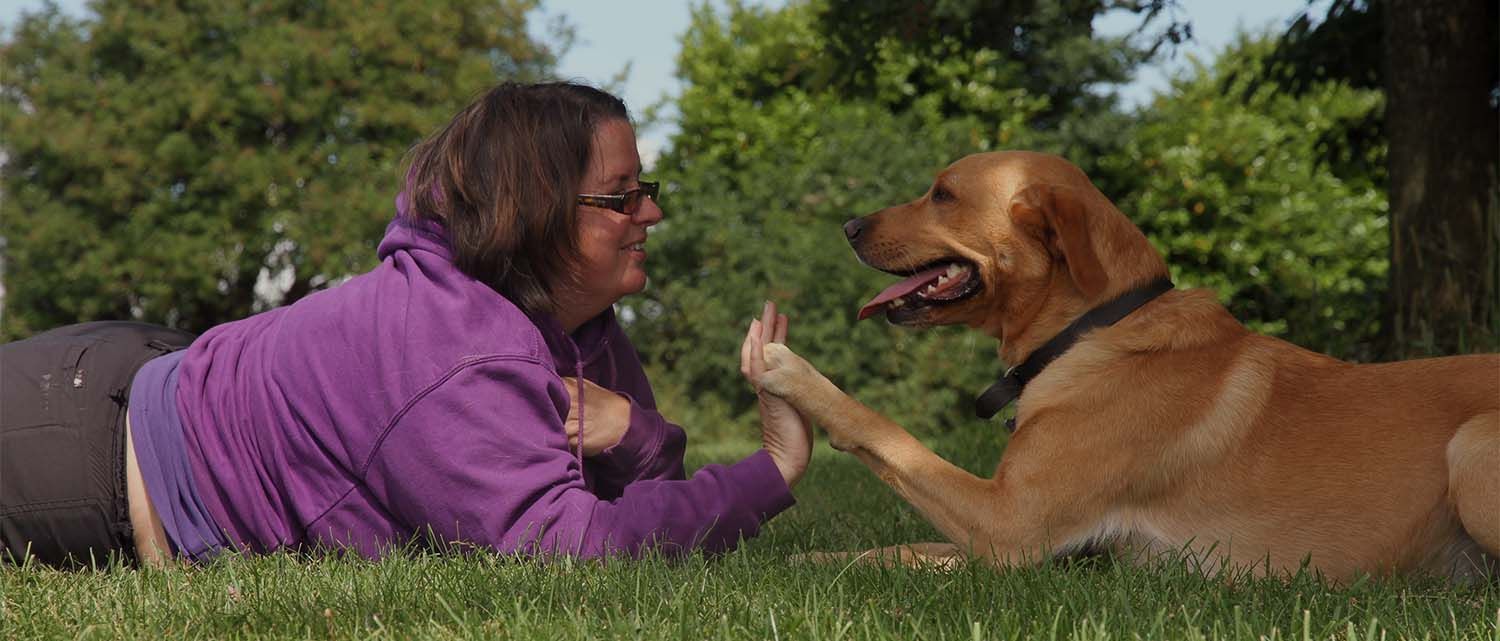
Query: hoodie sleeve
(651, 449)
(481, 456)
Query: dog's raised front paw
(786, 372)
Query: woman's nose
(650, 213)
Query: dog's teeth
(898, 302)
(954, 269)
(942, 279)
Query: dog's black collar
(1009, 387)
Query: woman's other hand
(784, 433)
(606, 416)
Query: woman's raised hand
(784, 433)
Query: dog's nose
(853, 228)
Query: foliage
(770, 228)
(1346, 43)
(1262, 195)
(163, 158)
(1046, 47)
(1250, 190)
(762, 174)
(758, 592)
(1345, 46)
(1435, 62)
(945, 59)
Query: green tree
(1438, 63)
(1271, 197)
(767, 225)
(162, 157)
(1046, 47)
(796, 119)
(1247, 188)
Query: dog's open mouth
(940, 283)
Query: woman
(475, 387)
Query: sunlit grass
(754, 593)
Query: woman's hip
(63, 475)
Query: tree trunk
(1442, 67)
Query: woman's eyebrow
(622, 181)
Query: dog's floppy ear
(1059, 215)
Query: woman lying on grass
(475, 387)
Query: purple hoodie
(415, 397)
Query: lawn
(754, 593)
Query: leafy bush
(759, 184)
(1257, 193)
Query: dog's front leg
(1019, 517)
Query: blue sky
(645, 34)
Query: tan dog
(1174, 429)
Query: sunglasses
(627, 203)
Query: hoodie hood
(587, 349)
(410, 233)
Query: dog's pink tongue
(900, 289)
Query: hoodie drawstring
(578, 371)
(609, 353)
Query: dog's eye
(940, 195)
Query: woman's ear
(1061, 218)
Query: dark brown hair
(503, 176)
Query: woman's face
(612, 244)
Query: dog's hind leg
(1474, 479)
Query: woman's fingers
(769, 328)
(745, 347)
(757, 358)
(768, 323)
(752, 362)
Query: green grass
(754, 593)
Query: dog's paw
(942, 558)
(786, 372)
(819, 558)
(778, 355)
